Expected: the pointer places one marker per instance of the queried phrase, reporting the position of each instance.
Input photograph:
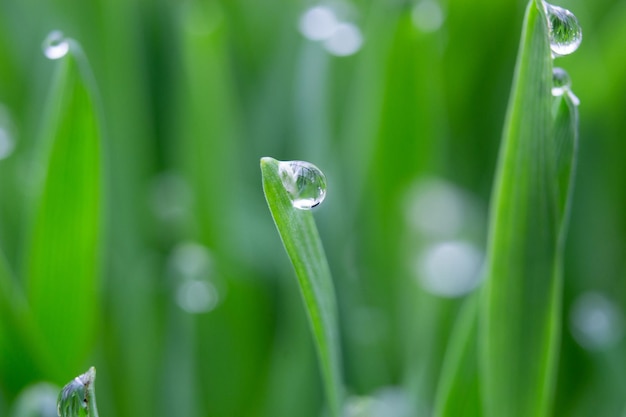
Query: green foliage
(64, 250)
(95, 210)
(302, 242)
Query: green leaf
(63, 259)
(301, 240)
(520, 317)
(458, 394)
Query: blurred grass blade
(299, 235)
(458, 394)
(520, 320)
(62, 265)
(17, 335)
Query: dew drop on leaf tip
(55, 45)
(305, 183)
(565, 32)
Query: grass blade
(520, 320)
(301, 240)
(458, 394)
(62, 265)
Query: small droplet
(561, 82)
(198, 288)
(450, 269)
(55, 45)
(304, 182)
(428, 16)
(565, 32)
(191, 260)
(345, 40)
(197, 296)
(318, 23)
(597, 323)
(436, 208)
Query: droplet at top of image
(565, 32)
(56, 45)
(305, 183)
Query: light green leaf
(521, 305)
(62, 270)
(301, 240)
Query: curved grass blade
(301, 240)
(62, 269)
(520, 317)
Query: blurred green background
(400, 103)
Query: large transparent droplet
(55, 45)
(565, 32)
(304, 182)
(561, 82)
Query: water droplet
(304, 182)
(436, 208)
(565, 32)
(197, 296)
(55, 45)
(318, 23)
(38, 400)
(427, 15)
(75, 395)
(191, 267)
(596, 322)
(190, 260)
(450, 269)
(561, 82)
(345, 40)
